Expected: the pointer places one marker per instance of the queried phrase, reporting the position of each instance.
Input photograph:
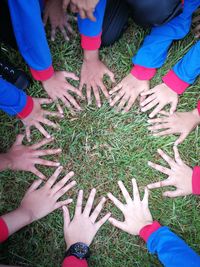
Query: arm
(171, 250)
(185, 71)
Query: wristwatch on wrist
(79, 250)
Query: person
(151, 55)
(171, 249)
(23, 17)
(196, 21)
(24, 158)
(30, 208)
(185, 179)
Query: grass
(102, 146)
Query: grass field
(102, 146)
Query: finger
(45, 101)
(64, 33)
(70, 75)
(104, 90)
(89, 203)
(165, 113)
(82, 13)
(78, 209)
(90, 15)
(64, 190)
(160, 126)
(148, 100)
(117, 98)
(19, 139)
(103, 220)
(49, 123)
(66, 217)
(72, 101)
(97, 210)
(111, 75)
(96, 95)
(118, 224)
(68, 26)
(125, 192)
(54, 177)
(45, 18)
(159, 168)
(38, 173)
(53, 34)
(115, 89)
(160, 184)
(45, 162)
(46, 152)
(136, 194)
(149, 92)
(75, 90)
(88, 94)
(156, 110)
(42, 130)
(59, 108)
(65, 102)
(123, 102)
(146, 197)
(150, 105)
(168, 159)
(116, 202)
(34, 185)
(173, 106)
(65, 4)
(175, 193)
(62, 182)
(53, 114)
(177, 156)
(163, 133)
(130, 103)
(42, 143)
(63, 203)
(181, 139)
(158, 120)
(28, 133)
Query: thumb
(111, 75)
(172, 194)
(34, 185)
(173, 106)
(66, 217)
(19, 139)
(70, 75)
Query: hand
(136, 212)
(83, 227)
(196, 22)
(128, 91)
(85, 8)
(92, 74)
(39, 202)
(160, 96)
(58, 18)
(179, 175)
(178, 123)
(24, 158)
(38, 116)
(57, 88)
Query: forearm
(91, 55)
(170, 249)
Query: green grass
(102, 146)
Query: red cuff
(3, 231)
(72, 261)
(175, 83)
(27, 109)
(143, 73)
(196, 180)
(42, 75)
(198, 107)
(90, 43)
(147, 230)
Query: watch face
(80, 250)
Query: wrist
(196, 115)
(90, 56)
(25, 215)
(148, 230)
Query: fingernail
(48, 136)
(60, 168)
(71, 173)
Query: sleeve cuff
(3, 231)
(27, 109)
(90, 43)
(147, 230)
(42, 75)
(198, 107)
(175, 83)
(196, 180)
(72, 261)
(143, 73)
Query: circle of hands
(48, 191)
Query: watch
(79, 250)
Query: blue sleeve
(12, 99)
(153, 52)
(30, 34)
(172, 251)
(90, 28)
(188, 68)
